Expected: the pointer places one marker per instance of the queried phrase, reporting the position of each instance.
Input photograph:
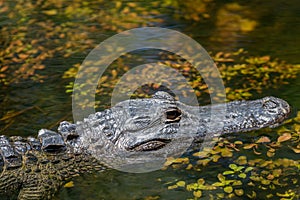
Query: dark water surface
(261, 28)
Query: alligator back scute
(20, 145)
(11, 162)
(68, 131)
(11, 158)
(23, 164)
(51, 141)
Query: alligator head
(138, 135)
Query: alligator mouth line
(150, 145)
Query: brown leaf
(4, 68)
(284, 137)
(263, 139)
(249, 146)
(296, 150)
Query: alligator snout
(276, 106)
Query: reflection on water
(45, 39)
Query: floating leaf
(197, 193)
(256, 152)
(277, 172)
(50, 12)
(252, 195)
(215, 158)
(263, 139)
(201, 181)
(265, 182)
(221, 178)
(284, 137)
(237, 183)
(249, 146)
(228, 189)
(239, 192)
(180, 183)
(286, 194)
(151, 198)
(201, 154)
(218, 184)
(171, 187)
(270, 177)
(238, 142)
(295, 150)
(242, 160)
(226, 152)
(270, 153)
(248, 169)
(69, 184)
(190, 166)
(192, 186)
(228, 172)
(235, 167)
(242, 175)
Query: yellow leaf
(226, 152)
(270, 153)
(239, 192)
(249, 146)
(197, 193)
(228, 189)
(242, 160)
(190, 166)
(69, 184)
(201, 181)
(201, 154)
(180, 183)
(171, 187)
(50, 12)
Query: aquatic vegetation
(41, 31)
(248, 176)
(243, 75)
(196, 10)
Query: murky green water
(261, 28)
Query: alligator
(35, 168)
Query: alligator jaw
(150, 145)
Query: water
(268, 28)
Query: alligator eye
(173, 115)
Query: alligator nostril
(286, 108)
(275, 105)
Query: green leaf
(228, 172)
(221, 178)
(233, 166)
(218, 184)
(228, 189)
(242, 175)
(248, 169)
(237, 183)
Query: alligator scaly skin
(35, 168)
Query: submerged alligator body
(35, 168)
